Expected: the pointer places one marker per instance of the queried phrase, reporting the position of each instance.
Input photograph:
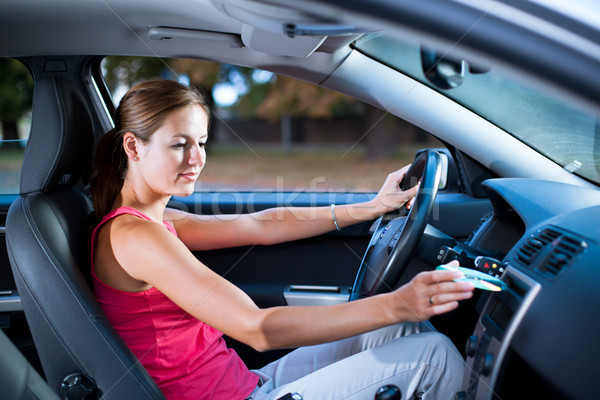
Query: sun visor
(268, 42)
(278, 30)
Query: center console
(491, 339)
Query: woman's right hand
(431, 293)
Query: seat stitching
(75, 296)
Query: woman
(172, 310)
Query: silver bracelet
(333, 215)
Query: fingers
(435, 292)
(412, 192)
(443, 308)
(440, 303)
(391, 196)
(446, 295)
(399, 175)
(440, 283)
(441, 298)
(450, 287)
(402, 171)
(432, 277)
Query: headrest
(59, 149)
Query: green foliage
(248, 103)
(271, 100)
(16, 88)
(287, 96)
(125, 70)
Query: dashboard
(538, 338)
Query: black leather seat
(18, 379)
(46, 232)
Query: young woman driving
(172, 310)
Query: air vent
(534, 246)
(550, 251)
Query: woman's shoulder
(136, 245)
(132, 224)
(124, 227)
(130, 235)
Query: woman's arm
(158, 258)
(284, 224)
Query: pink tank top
(186, 358)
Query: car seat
(18, 379)
(46, 233)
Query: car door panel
(328, 262)
(263, 272)
(7, 283)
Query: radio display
(506, 303)
(501, 315)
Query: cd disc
(478, 279)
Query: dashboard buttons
(488, 363)
(471, 345)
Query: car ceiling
(165, 29)
(250, 32)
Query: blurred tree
(280, 98)
(270, 100)
(203, 75)
(122, 72)
(16, 89)
(297, 98)
(290, 101)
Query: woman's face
(173, 158)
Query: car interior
(497, 201)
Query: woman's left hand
(391, 197)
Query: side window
(272, 132)
(16, 88)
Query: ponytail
(109, 172)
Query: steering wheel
(391, 247)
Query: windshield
(561, 132)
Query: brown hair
(142, 112)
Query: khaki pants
(421, 362)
